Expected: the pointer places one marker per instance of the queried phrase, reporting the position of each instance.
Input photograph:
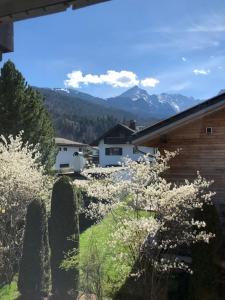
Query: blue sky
(175, 46)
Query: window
(155, 150)
(64, 166)
(113, 151)
(135, 150)
(64, 149)
(80, 149)
(209, 130)
(60, 149)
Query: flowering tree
(153, 218)
(21, 179)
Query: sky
(175, 46)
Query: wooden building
(199, 133)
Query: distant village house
(116, 144)
(66, 151)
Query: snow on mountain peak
(138, 101)
(61, 90)
(135, 93)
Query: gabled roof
(65, 142)
(191, 114)
(107, 133)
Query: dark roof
(65, 142)
(117, 126)
(195, 109)
(14, 10)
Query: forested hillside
(80, 119)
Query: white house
(66, 151)
(116, 144)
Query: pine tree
(22, 109)
(64, 236)
(34, 273)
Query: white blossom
(22, 179)
(152, 217)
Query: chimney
(132, 124)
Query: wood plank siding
(199, 152)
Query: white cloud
(201, 71)
(184, 58)
(149, 82)
(123, 79)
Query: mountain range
(83, 117)
(138, 101)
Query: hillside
(83, 117)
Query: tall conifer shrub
(64, 236)
(34, 273)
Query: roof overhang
(15, 10)
(157, 131)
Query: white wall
(105, 160)
(65, 157)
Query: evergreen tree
(22, 109)
(64, 237)
(34, 273)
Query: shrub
(206, 258)
(64, 236)
(34, 274)
(22, 179)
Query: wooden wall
(199, 152)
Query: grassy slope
(112, 273)
(9, 292)
(96, 238)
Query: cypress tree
(34, 273)
(64, 237)
(22, 109)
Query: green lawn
(96, 253)
(9, 292)
(97, 260)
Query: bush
(34, 274)
(64, 236)
(22, 179)
(204, 283)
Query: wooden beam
(82, 3)
(16, 10)
(6, 37)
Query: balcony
(116, 140)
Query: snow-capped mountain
(138, 101)
(136, 93)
